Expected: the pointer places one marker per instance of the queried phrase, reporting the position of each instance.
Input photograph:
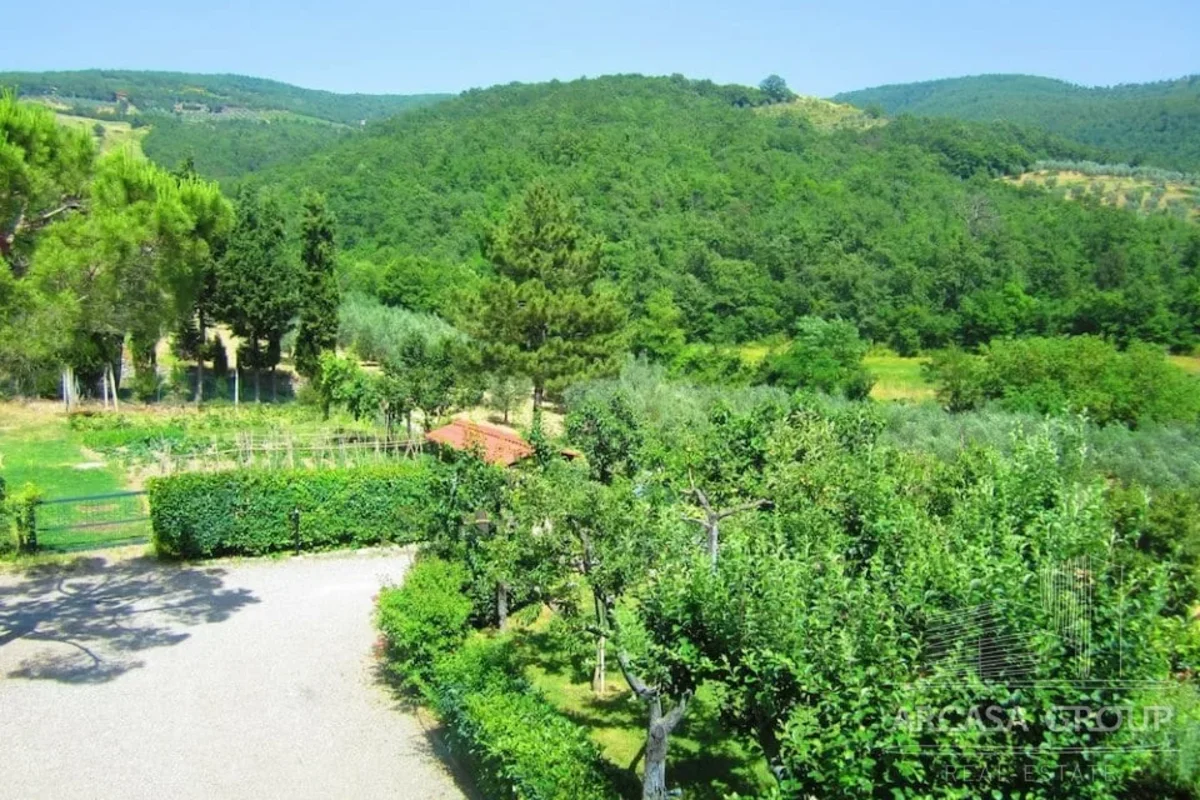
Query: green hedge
(425, 620)
(517, 744)
(249, 512)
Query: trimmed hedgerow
(424, 620)
(516, 743)
(253, 512)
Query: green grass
(116, 134)
(37, 446)
(705, 760)
(897, 377)
(1189, 364)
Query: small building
(501, 446)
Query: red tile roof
(500, 445)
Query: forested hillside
(160, 91)
(734, 225)
(229, 150)
(1150, 123)
(227, 125)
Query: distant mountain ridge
(167, 91)
(1147, 123)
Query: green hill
(205, 94)
(230, 125)
(750, 220)
(1151, 123)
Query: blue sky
(820, 48)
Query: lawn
(38, 446)
(897, 377)
(705, 761)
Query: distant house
(501, 446)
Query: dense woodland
(227, 125)
(1149, 123)
(743, 223)
(230, 149)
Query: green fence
(101, 520)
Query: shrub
(424, 619)
(1082, 374)
(249, 512)
(21, 507)
(8, 536)
(519, 745)
(825, 356)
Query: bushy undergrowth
(250, 512)
(424, 620)
(1082, 374)
(516, 742)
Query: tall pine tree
(317, 331)
(547, 315)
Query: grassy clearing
(1189, 364)
(897, 377)
(116, 134)
(705, 760)
(824, 114)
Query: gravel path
(242, 679)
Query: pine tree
(318, 326)
(547, 315)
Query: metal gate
(100, 520)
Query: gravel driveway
(242, 679)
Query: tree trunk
(199, 380)
(714, 543)
(600, 673)
(658, 727)
(104, 386)
(538, 391)
(112, 376)
(654, 779)
(502, 605)
(200, 361)
(237, 386)
(68, 381)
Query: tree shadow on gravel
(89, 618)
